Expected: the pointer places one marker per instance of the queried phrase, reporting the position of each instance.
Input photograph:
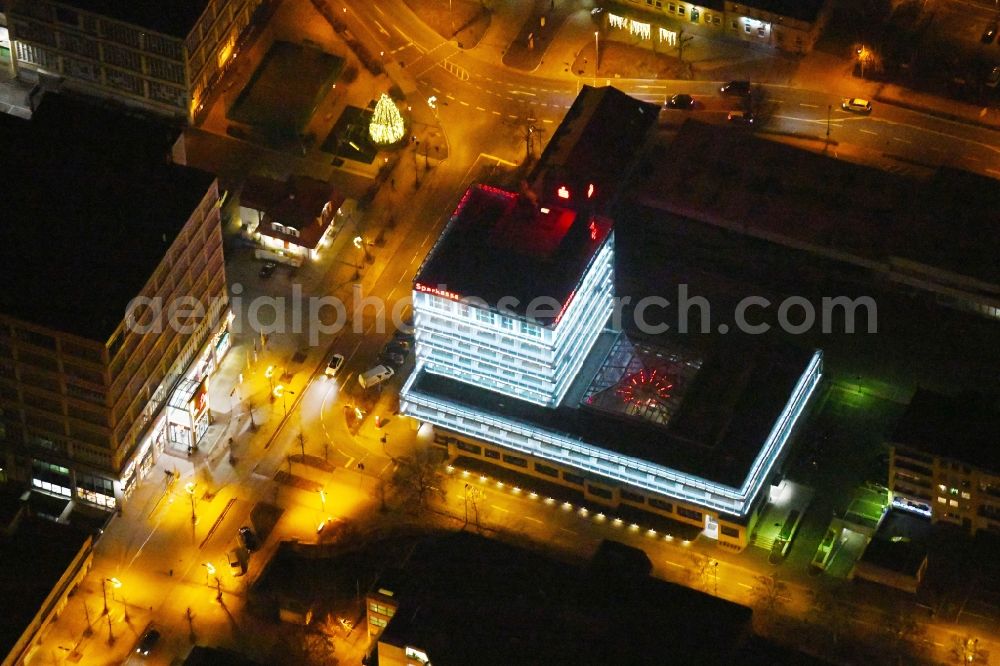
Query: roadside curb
(944, 115)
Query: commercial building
(788, 25)
(43, 562)
(896, 556)
(944, 462)
(92, 389)
(522, 362)
(293, 220)
(165, 56)
(929, 237)
(464, 599)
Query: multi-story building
(160, 56)
(788, 26)
(521, 362)
(944, 463)
(293, 220)
(93, 383)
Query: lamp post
(104, 592)
(117, 585)
(597, 56)
(829, 112)
(189, 487)
(209, 572)
(322, 499)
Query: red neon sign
(443, 293)
(563, 192)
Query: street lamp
(117, 584)
(209, 572)
(189, 487)
(597, 56)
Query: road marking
(500, 508)
(499, 159)
(895, 138)
(568, 530)
(522, 92)
(382, 30)
(451, 97)
(348, 463)
(479, 108)
(972, 158)
(512, 116)
(546, 120)
(993, 171)
(463, 102)
(868, 131)
(495, 113)
(674, 564)
(809, 106)
(381, 13)
(744, 585)
(534, 520)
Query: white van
(375, 376)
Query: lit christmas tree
(386, 126)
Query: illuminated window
(942, 500)
(484, 316)
(507, 324)
(942, 487)
(966, 496)
(952, 502)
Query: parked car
(248, 539)
(994, 77)
(740, 117)
(267, 270)
(403, 336)
(375, 376)
(856, 105)
(736, 89)
(333, 367)
(990, 33)
(392, 357)
(238, 559)
(681, 101)
(148, 642)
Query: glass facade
(476, 345)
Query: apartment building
(165, 57)
(791, 26)
(93, 387)
(944, 462)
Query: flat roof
(500, 244)
(958, 427)
(89, 212)
(899, 544)
(723, 419)
(730, 179)
(594, 144)
(170, 17)
(34, 558)
(473, 600)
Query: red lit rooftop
(501, 244)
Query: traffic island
(465, 21)
(528, 48)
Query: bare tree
(768, 594)
(418, 477)
(901, 633)
(831, 612)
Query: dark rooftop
(170, 17)
(88, 213)
(595, 144)
(958, 427)
(209, 656)
(725, 416)
(804, 10)
(34, 559)
(298, 202)
(472, 600)
(899, 544)
(802, 199)
(499, 244)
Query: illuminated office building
(521, 362)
